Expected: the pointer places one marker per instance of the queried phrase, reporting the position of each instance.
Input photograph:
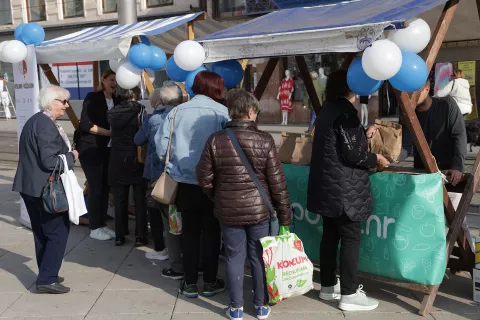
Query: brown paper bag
(302, 154)
(287, 146)
(387, 140)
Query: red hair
(209, 84)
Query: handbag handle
(57, 169)
(253, 175)
(167, 158)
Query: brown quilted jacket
(236, 198)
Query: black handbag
(54, 197)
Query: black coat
(38, 150)
(93, 147)
(124, 168)
(339, 182)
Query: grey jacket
(39, 147)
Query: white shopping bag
(74, 192)
(288, 270)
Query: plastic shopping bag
(174, 220)
(74, 192)
(288, 270)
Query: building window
(5, 12)
(109, 6)
(158, 3)
(73, 8)
(37, 10)
(239, 8)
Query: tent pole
(266, 75)
(307, 80)
(191, 30)
(51, 78)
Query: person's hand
(382, 161)
(454, 176)
(75, 154)
(371, 131)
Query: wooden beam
(201, 17)
(266, 75)
(349, 56)
(51, 78)
(191, 30)
(148, 82)
(96, 76)
(307, 80)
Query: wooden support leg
(307, 80)
(266, 75)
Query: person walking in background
(238, 204)
(124, 169)
(41, 143)
(194, 122)
(459, 90)
(307, 102)
(162, 100)
(93, 145)
(339, 191)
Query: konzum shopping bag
(302, 154)
(288, 270)
(387, 140)
(287, 146)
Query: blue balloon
(191, 79)
(174, 72)
(359, 82)
(18, 32)
(33, 33)
(159, 59)
(140, 56)
(231, 71)
(412, 74)
(145, 40)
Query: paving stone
(130, 316)
(6, 299)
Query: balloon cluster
(394, 59)
(15, 51)
(188, 59)
(140, 56)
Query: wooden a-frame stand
(460, 258)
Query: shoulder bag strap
(453, 85)
(167, 158)
(252, 173)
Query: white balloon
(382, 60)
(189, 55)
(14, 51)
(128, 76)
(2, 44)
(414, 38)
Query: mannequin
(364, 110)
(285, 96)
(322, 78)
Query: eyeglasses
(64, 102)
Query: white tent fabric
(104, 43)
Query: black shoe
(60, 279)
(211, 289)
(189, 290)
(55, 288)
(141, 241)
(119, 241)
(169, 273)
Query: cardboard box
(476, 285)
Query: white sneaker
(357, 301)
(99, 234)
(331, 293)
(157, 255)
(109, 231)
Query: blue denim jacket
(151, 124)
(194, 122)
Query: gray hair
(49, 94)
(240, 102)
(171, 94)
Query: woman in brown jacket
(243, 215)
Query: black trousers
(200, 228)
(156, 225)
(96, 172)
(50, 232)
(348, 233)
(120, 196)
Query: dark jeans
(50, 232)
(313, 117)
(156, 226)
(239, 242)
(349, 233)
(199, 225)
(96, 172)
(120, 195)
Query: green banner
(404, 239)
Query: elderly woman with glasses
(41, 142)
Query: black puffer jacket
(339, 182)
(124, 168)
(236, 198)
